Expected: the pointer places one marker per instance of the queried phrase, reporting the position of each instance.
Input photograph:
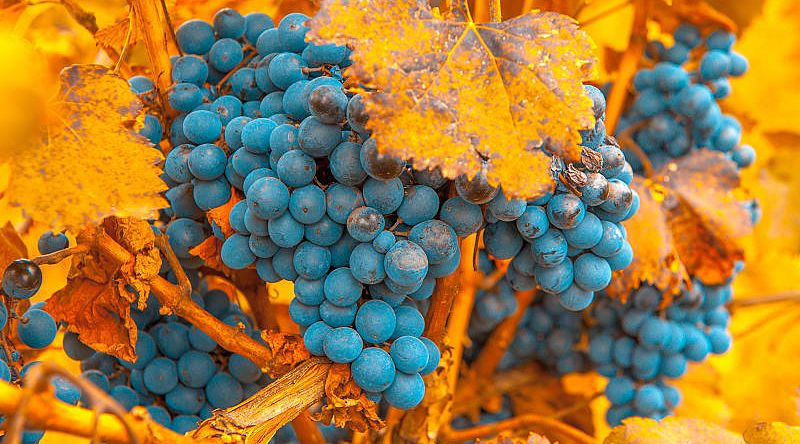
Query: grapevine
(379, 221)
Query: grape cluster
(640, 344)
(675, 109)
(265, 121)
(567, 243)
(180, 374)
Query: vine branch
(628, 64)
(516, 423)
(45, 412)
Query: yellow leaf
(770, 37)
(91, 163)
(671, 430)
(11, 246)
(772, 433)
(463, 96)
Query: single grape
(22, 279)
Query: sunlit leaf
(455, 94)
(670, 430)
(655, 260)
(772, 433)
(690, 222)
(11, 246)
(91, 162)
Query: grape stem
(35, 407)
(468, 399)
(495, 11)
(516, 423)
(148, 15)
(492, 352)
(627, 142)
(787, 296)
(627, 66)
(304, 427)
(58, 256)
(178, 299)
(436, 409)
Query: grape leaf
(463, 96)
(690, 223)
(669, 431)
(655, 260)
(704, 215)
(96, 302)
(12, 246)
(347, 405)
(91, 163)
(772, 433)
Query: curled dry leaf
(92, 162)
(670, 431)
(96, 303)
(690, 223)
(347, 406)
(288, 350)
(221, 215)
(114, 35)
(467, 97)
(209, 251)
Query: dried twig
(516, 423)
(40, 410)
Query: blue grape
(235, 252)
(409, 354)
(436, 238)
(406, 391)
(243, 369)
(406, 263)
(160, 376)
(195, 37)
(421, 203)
(375, 321)
(228, 23)
(465, 218)
(326, 233)
(296, 168)
(195, 368)
(22, 278)
(384, 196)
(189, 69)
(225, 54)
(592, 273)
(184, 400)
(384, 241)
(268, 198)
(223, 391)
(292, 31)
(311, 261)
(502, 240)
(409, 322)
(328, 104)
(366, 264)
(211, 193)
(342, 345)
(307, 204)
(373, 370)
(314, 335)
(341, 288)
(36, 328)
(380, 166)
(207, 162)
(287, 68)
(336, 316)
(202, 126)
(318, 139)
(345, 164)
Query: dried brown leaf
(209, 251)
(113, 35)
(704, 215)
(288, 350)
(347, 406)
(221, 214)
(548, 396)
(97, 300)
(468, 97)
(670, 431)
